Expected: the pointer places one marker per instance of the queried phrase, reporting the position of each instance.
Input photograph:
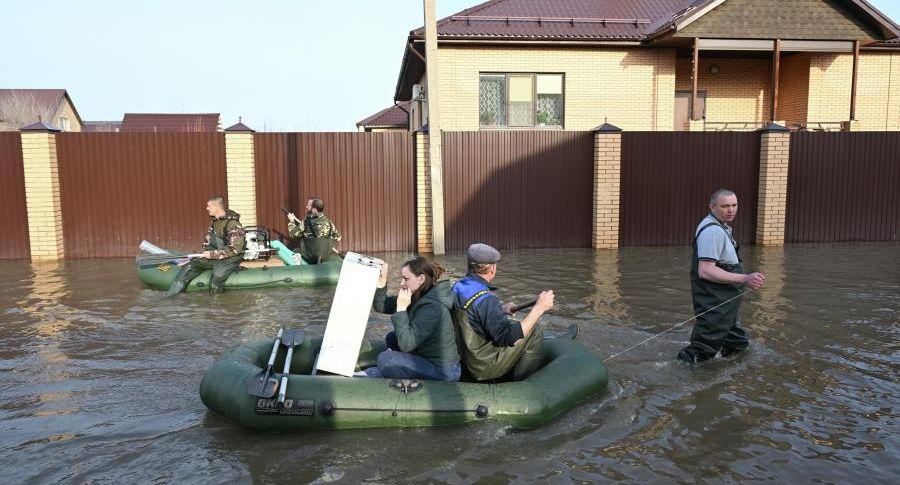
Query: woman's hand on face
(403, 299)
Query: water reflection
(606, 300)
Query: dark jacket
(485, 312)
(225, 237)
(425, 328)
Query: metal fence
(367, 181)
(668, 176)
(119, 188)
(518, 189)
(843, 187)
(14, 242)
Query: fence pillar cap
(607, 128)
(239, 127)
(422, 129)
(773, 128)
(40, 126)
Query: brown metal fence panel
(518, 189)
(13, 212)
(843, 187)
(366, 180)
(667, 178)
(119, 188)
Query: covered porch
(743, 84)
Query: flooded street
(100, 378)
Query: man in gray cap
(493, 345)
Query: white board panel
(349, 315)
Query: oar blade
(292, 338)
(262, 386)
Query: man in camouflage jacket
(223, 249)
(316, 232)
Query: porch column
(695, 71)
(423, 193)
(42, 199)
(240, 171)
(776, 72)
(774, 159)
(607, 176)
(853, 82)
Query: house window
(520, 100)
(63, 123)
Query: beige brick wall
(829, 87)
(793, 89)
(878, 91)
(633, 88)
(607, 169)
(773, 179)
(424, 242)
(739, 92)
(66, 111)
(45, 223)
(240, 172)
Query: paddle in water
(262, 384)
(291, 340)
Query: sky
(282, 65)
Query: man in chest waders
(223, 249)
(717, 277)
(492, 345)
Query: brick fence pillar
(607, 172)
(42, 200)
(424, 242)
(774, 158)
(240, 172)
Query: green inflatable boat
(572, 373)
(160, 275)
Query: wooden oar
(523, 306)
(177, 258)
(262, 384)
(291, 339)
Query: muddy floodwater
(99, 379)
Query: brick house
(573, 64)
(21, 107)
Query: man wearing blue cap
(492, 344)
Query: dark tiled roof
(581, 20)
(887, 44)
(391, 117)
(160, 122)
(44, 102)
(561, 19)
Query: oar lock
(405, 385)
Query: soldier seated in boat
(316, 232)
(492, 344)
(223, 249)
